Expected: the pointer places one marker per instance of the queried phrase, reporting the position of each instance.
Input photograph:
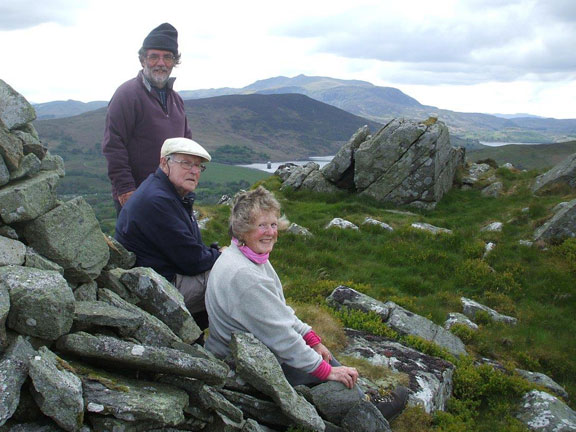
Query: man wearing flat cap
(159, 226)
(142, 113)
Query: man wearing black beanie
(142, 114)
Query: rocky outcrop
(456, 318)
(341, 223)
(160, 298)
(474, 172)
(430, 378)
(470, 308)
(397, 318)
(340, 170)
(560, 177)
(544, 381)
(561, 226)
(299, 230)
(375, 222)
(258, 366)
(70, 235)
(406, 163)
(540, 411)
(35, 296)
(430, 228)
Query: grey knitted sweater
(246, 297)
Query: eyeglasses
(190, 166)
(155, 58)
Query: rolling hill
(381, 104)
(260, 127)
(68, 108)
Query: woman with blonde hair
(244, 294)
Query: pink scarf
(250, 254)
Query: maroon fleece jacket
(136, 127)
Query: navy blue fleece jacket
(160, 228)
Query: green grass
(428, 274)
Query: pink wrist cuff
(322, 371)
(312, 339)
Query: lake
(320, 160)
(500, 144)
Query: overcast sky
(492, 56)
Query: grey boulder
(333, 400)
(107, 350)
(42, 303)
(365, 417)
(70, 235)
(398, 318)
(470, 308)
(102, 314)
(15, 111)
(12, 252)
(561, 226)
(340, 170)
(14, 366)
(256, 364)
(153, 404)
(430, 378)
(151, 331)
(57, 391)
(542, 412)
(160, 298)
(27, 199)
(561, 175)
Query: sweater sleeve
(266, 316)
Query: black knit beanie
(164, 37)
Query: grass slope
(526, 156)
(428, 274)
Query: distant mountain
(381, 104)
(248, 127)
(60, 109)
(358, 97)
(518, 115)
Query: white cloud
(472, 55)
(21, 14)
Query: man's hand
(323, 351)
(122, 199)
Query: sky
(490, 56)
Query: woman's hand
(323, 351)
(346, 375)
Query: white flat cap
(185, 146)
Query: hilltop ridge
(379, 104)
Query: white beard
(157, 75)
